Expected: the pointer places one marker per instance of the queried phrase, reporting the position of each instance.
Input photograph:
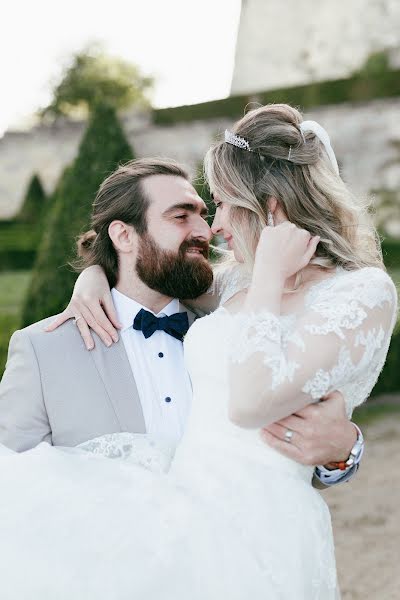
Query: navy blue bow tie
(175, 325)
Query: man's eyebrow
(185, 206)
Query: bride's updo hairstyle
(292, 166)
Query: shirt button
(161, 354)
(167, 399)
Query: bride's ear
(274, 209)
(272, 203)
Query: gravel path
(366, 518)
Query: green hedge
(17, 260)
(19, 238)
(8, 324)
(368, 85)
(18, 245)
(391, 253)
(389, 380)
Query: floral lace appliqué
(349, 315)
(325, 381)
(136, 448)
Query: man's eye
(218, 204)
(181, 217)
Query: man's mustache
(203, 246)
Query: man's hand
(322, 433)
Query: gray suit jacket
(54, 390)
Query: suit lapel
(115, 371)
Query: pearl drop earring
(270, 219)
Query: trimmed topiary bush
(103, 147)
(20, 237)
(35, 203)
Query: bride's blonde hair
(293, 168)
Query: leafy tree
(93, 77)
(34, 203)
(103, 147)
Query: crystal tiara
(305, 126)
(236, 140)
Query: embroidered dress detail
(135, 448)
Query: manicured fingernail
(115, 338)
(108, 344)
(90, 346)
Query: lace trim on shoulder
(228, 281)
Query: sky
(187, 45)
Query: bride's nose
(216, 226)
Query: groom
(152, 241)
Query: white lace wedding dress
(232, 518)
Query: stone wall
(284, 43)
(365, 136)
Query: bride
(306, 307)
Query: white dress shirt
(158, 368)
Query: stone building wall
(283, 43)
(365, 136)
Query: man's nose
(202, 230)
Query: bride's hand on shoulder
(284, 250)
(92, 307)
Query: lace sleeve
(341, 338)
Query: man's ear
(123, 236)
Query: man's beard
(174, 274)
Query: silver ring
(288, 435)
(76, 320)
